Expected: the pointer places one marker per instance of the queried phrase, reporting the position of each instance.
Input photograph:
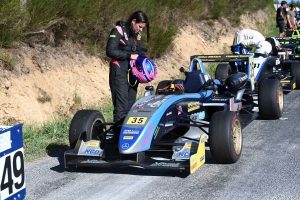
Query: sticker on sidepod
(133, 131)
(137, 120)
(198, 116)
(128, 136)
(158, 103)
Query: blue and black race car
(171, 127)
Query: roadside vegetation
(88, 22)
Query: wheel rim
(96, 129)
(280, 98)
(237, 136)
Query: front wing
(89, 154)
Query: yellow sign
(128, 137)
(198, 159)
(93, 144)
(137, 120)
(193, 106)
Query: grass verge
(52, 137)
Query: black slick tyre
(222, 71)
(295, 72)
(270, 99)
(86, 122)
(225, 137)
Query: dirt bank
(49, 81)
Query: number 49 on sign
(12, 177)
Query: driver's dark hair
(140, 17)
(283, 2)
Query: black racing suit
(122, 84)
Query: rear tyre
(222, 71)
(295, 72)
(270, 99)
(225, 137)
(162, 84)
(86, 121)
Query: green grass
(48, 138)
(52, 137)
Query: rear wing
(224, 58)
(248, 58)
(288, 40)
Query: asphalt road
(269, 168)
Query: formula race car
(169, 127)
(290, 56)
(263, 89)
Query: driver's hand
(134, 56)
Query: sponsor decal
(92, 151)
(93, 161)
(165, 164)
(193, 106)
(243, 78)
(219, 99)
(169, 113)
(183, 154)
(198, 116)
(141, 105)
(156, 131)
(191, 146)
(158, 103)
(193, 160)
(194, 166)
(125, 146)
(131, 131)
(146, 111)
(179, 110)
(135, 111)
(231, 104)
(202, 158)
(240, 106)
(128, 137)
(146, 141)
(137, 120)
(93, 144)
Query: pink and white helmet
(143, 69)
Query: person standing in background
(280, 18)
(291, 18)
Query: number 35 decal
(12, 173)
(137, 120)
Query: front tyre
(86, 122)
(270, 99)
(225, 137)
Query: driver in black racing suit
(124, 44)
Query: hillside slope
(48, 81)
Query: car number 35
(137, 120)
(12, 173)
